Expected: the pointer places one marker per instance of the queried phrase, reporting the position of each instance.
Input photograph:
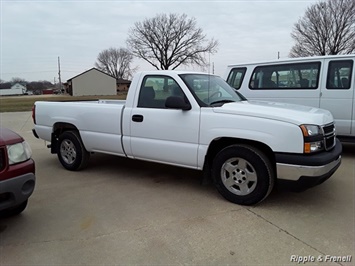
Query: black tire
(243, 174)
(14, 210)
(71, 151)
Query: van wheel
(243, 174)
(71, 151)
(14, 210)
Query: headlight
(313, 138)
(19, 152)
(311, 130)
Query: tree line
(34, 86)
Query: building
(6, 89)
(92, 82)
(123, 85)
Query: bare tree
(18, 80)
(116, 62)
(169, 41)
(327, 27)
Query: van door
(337, 93)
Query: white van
(325, 82)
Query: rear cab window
(286, 76)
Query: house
(7, 89)
(123, 84)
(92, 82)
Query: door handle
(137, 118)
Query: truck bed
(99, 122)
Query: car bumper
(299, 172)
(35, 133)
(16, 190)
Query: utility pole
(278, 55)
(60, 79)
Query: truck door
(337, 94)
(161, 134)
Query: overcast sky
(35, 33)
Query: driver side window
(156, 89)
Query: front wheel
(71, 151)
(243, 174)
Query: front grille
(329, 136)
(2, 159)
(329, 129)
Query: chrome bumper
(295, 172)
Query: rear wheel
(71, 151)
(243, 174)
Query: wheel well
(59, 128)
(218, 144)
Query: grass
(25, 103)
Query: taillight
(34, 113)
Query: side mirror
(176, 102)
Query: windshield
(210, 90)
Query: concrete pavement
(120, 211)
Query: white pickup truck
(198, 121)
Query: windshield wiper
(221, 102)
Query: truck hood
(291, 113)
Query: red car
(17, 173)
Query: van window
(339, 74)
(236, 77)
(288, 76)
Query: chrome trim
(328, 136)
(294, 172)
